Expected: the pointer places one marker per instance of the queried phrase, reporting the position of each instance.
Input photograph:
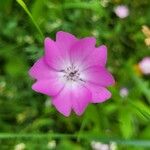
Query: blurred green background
(126, 116)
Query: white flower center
(71, 73)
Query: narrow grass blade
(133, 142)
(23, 5)
(82, 127)
(95, 6)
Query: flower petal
(97, 57)
(62, 102)
(50, 86)
(40, 70)
(81, 97)
(81, 49)
(97, 75)
(99, 94)
(53, 56)
(73, 96)
(64, 41)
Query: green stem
(133, 142)
(83, 124)
(23, 5)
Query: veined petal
(74, 96)
(54, 57)
(99, 94)
(50, 86)
(62, 102)
(64, 41)
(81, 97)
(98, 75)
(97, 57)
(81, 49)
(40, 70)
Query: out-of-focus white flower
(113, 146)
(124, 92)
(20, 146)
(99, 146)
(121, 11)
(144, 65)
(51, 144)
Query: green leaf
(37, 8)
(95, 6)
(143, 110)
(126, 125)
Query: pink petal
(64, 41)
(97, 57)
(81, 97)
(81, 49)
(99, 94)
(40, 70)
(75, 96)
(50, 86)
(53, 56)
(62, 102)
(98, 75)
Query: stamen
(71, 73)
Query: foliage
(30, 116)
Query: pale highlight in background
(121, 11)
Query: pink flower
(144, 65)
(72, 72)
(124, 92)
(121, 11)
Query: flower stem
(23, 5)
